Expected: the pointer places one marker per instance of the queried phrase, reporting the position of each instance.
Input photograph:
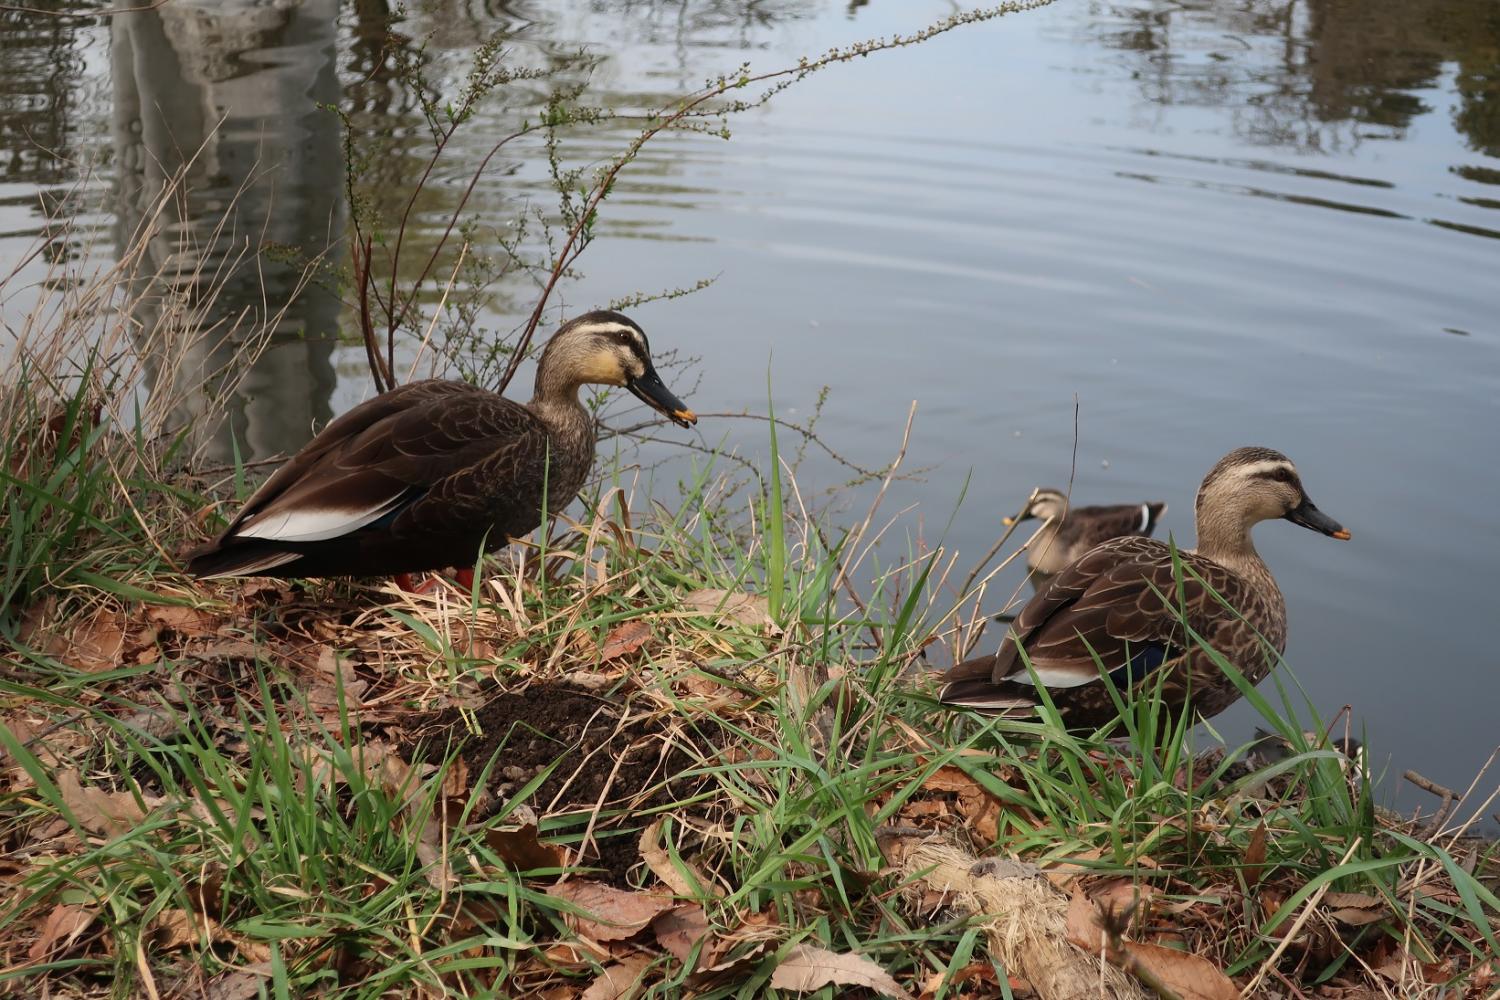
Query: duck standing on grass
(420, 477)
(1119, 603)
(1072, 531)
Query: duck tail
(1154, 512)
(971, 685)
(237, 558)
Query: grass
(229, 797)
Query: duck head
(607, 348)
(1259, 484)
(1044, 503)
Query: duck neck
(1224, 536)
(556, 403)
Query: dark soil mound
(608, 759)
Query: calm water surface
(1209, 223)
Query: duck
(1069, 532)
(422, 476)
(1119, 602)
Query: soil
(526, 731)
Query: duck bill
(648, 388)
(1309, 516)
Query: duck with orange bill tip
(421, 477)
(1117, 610)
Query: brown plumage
(1119, 602)
(1072, 531)
(420, 477)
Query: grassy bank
(683, 745)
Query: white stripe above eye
(1261, 468)
(315, 525)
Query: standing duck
(418, 478)
(1072, 531)
(1119, 603)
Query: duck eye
(622, 337)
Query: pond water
(1202, 223)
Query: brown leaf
(807, 968)
(691, 883)
(679, 929)
(93, 645)
(522, 851)
(1354, 916)
(179, 928)
(1363, 900)
(625, 639)
(238, 984)
(612, 914)
(1255, 855)
(621, 980)
(59, 930)
(1191, 977)
(107, 813)
(1083, 926)
(731, 606)
(189, 622)
(1120, 894)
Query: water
(1205, 224)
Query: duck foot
(463, 577)
(409, 584)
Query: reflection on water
(1211, 222)
(221, 99)
(1314, 74)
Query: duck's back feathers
(1082, 528)
(410, 480)
(1118, 603)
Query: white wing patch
(315, 525)
(1057, 677)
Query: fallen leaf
(611, 914)
(59, 930)
(189, 622)
(1191, 977)
(1363, 900)
(178, 928)
(1353, 916)
(93, 645)
(1121, 894)
(1255, 855)
(243, 983)
(1083, 927)
(624, 639)
(1188, 976)
(729, 606)
(620, 980)
(679, 930)
(689, 883)
(521, 850)
(807, 968)
(107, 813)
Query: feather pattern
(1126, 609)
(423, 476)
(1075, 530)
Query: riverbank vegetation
(682, 742)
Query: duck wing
(420, 445)
(1093, 525)
(1118, 603)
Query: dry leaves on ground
(1191, 977)
(729, 606)
(108, 813)
(610, 914)
(63, 926)
(624, 640)
(807, 968)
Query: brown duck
(420, 477)
(1072, 531)
(1110, 604)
